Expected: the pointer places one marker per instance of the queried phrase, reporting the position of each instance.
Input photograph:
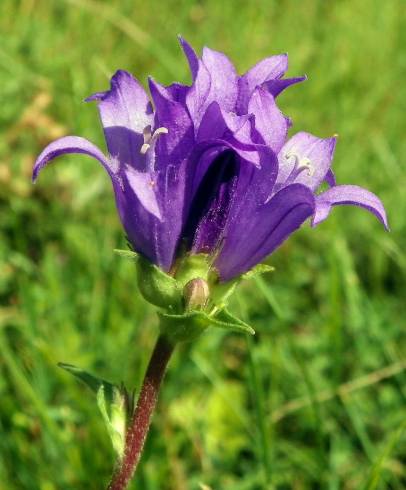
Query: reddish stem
(139, 425)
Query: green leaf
(114, 402)
(91, 381)
(114, 407)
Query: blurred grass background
(317, 399)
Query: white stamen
(300, 164)
(147, 132)
(144, 148)
(159, 131)
(150, 138)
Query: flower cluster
(208, 168)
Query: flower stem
(138, 428)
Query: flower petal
(191, 56)
(178, 92)
(211, 203)
(348, 194)
(214, 80)
(125, 110)
(173, 116)
(227, 183)
(256, 231)
(305, 159)
(267, 69)
(271, 124)
(198, 98)
(216, 123)
(275, 87)
(224, 78)
(143, 185)
(219, 127)
(330, 178)
(71, 144)
(169, 172)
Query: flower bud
(196, 293)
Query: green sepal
(224, 319)
(190, 325)
(192, 267)
(115, 404)
(127, 254)
(157, 287)
(183, 328)
(258, 270)
(222, 291)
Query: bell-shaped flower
(208, 168)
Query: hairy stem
(138, 428)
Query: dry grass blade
(343, 390)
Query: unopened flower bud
(196, 293)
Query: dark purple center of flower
(210, 206)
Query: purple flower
(208, 168)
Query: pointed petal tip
(187, 48)
(159, 90)
(119, 77)
(154, 86)
(38, 165)
(67, 145)
(181, 40)
(95, 97)
(191, 56)
(151, 81)
(333, 141)
(348, 195)
(120, 73)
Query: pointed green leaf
(114, 403)
(91, 381)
